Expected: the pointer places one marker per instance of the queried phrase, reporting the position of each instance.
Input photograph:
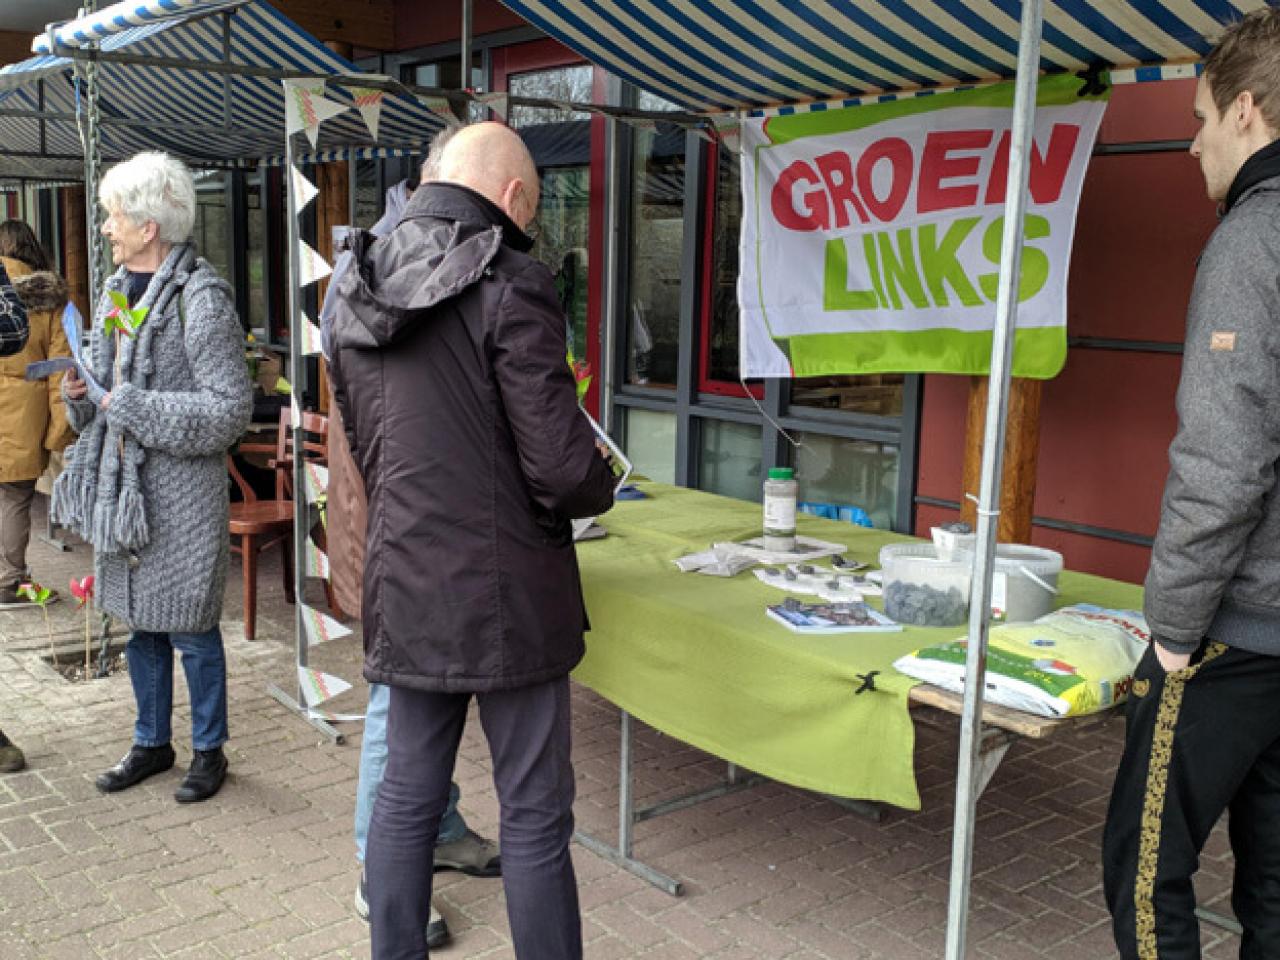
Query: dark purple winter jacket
(449, 368)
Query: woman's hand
(105, 402)
(75, 387)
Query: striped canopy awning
(714, 56)
(206, 117)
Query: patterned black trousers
(1198, 741)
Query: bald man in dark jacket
(449, 368)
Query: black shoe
(11, 758)
(136, 765)
(437, 929)
(204, 777)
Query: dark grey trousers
(529, 736)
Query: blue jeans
(150, 657)
(373, 763)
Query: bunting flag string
(321, 627)
(369, 102)
(304, 191)
(306, 107)
(311, 265)
(317, 562)
(318, 686)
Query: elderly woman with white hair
(146, 481)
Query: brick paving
(267, 868)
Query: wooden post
(1021, 452)
(75, 248)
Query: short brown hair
(1247, 57)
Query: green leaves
(35, 593)
(581, 375)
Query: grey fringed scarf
(99, 493)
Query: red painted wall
(1107, 419)
(420, 23)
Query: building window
(729, 459)
(657, 249)
(650, 443)
(839, 477)
(571, 84)
(212, 225)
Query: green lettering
(836, 294)
(1035, 262)
(900, 269)
(873, 265)
(941, 265)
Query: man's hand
(1171, 661)
(73, 385)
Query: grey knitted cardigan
(146, 482)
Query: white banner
(871, 235)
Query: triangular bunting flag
(317, 478)
(317, 562)
(640, 123)
(369, 103)
(321, 627)
(317, 686)
(295, 415)
(497, 102)
(304, 191)
(306, 107)
(312, 266)
(441, 107)
(729, 132)
(311, 341)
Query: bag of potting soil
(1073, 661)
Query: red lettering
(898, 152)
(837, 172)
(936, 166)
(1048, 173)
(815, 212)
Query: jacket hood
(444, 243)
(42, 290)
(1260, 170)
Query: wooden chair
(257, 524)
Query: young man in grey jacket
(1203, 732)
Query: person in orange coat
(33, 421)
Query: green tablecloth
(697, 658)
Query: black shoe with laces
(204, 777)
(136, 765)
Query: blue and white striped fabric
(121, 16)
(208, 119)
(720, 55)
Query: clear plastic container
(921, 589)
(1030, 579)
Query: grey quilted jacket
(185, 398)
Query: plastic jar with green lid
(780, 509)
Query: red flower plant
(82, 590)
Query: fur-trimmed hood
(42, 290)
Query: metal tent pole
(968, 773)
(301, 509)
